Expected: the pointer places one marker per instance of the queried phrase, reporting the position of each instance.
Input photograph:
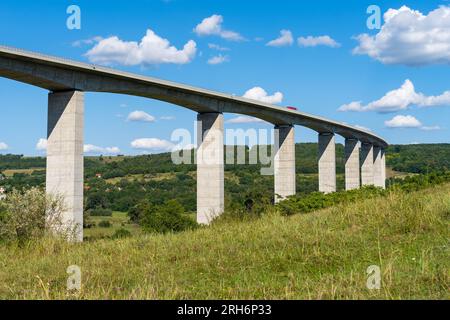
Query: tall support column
(378, 164)
(284, 162)
(367, 164)
(65, 155)
(210, 167)
(327, 163)
(352, 176)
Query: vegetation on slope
(419, 158)
(128, 184)
(320, 255)
(126, 181)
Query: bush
(251, 205)
(420, 181)
(314, 201)
(168, 217)
(317, 200)
(135, 213)
(3, 213)
(32, 214)
(87, 221)
(104, 224)
(121, 233)
(96, 199)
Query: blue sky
(319, 74)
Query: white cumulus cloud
(218, 59)
(90, 148)
(153, 144)
(311, 41)
(3, 146)
(409, 37)
(41, 145)
(258, 93)
(140, 116)
(399, 99)
(213, 26)
(285, 39)
(244, 119)
(152, 49)
(403, 122)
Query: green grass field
(117, 220)
(320, 255)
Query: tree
(168, 217)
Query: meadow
(319, 255)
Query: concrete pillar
(284, 162)
(367, 164)
(352, 176)
(210, 167)
(379, 178)
(327, 163)
(65, 155)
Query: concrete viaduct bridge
(68, 80)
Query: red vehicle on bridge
(291, 108)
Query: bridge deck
(59, 74)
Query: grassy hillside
(320, 255)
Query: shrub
(87, 221)
(314, 201)
(168, 217)
(3, 214)
(420, 181)
(32, 214)
(252, 205)
(97, 198)
(317, 200)
(121, 233)
(104, 224)
(135, 213)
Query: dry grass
(10, 172)
(321, 255)
(390, 173)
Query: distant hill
(413, 158)
(126, 180)
(12, 161)
(419, 158)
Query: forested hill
(414, 158)
(419, 158)
(118, 183)
(12, 161)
